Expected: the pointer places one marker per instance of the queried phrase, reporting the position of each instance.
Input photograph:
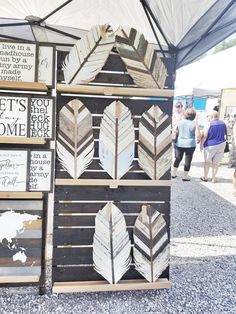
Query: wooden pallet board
(102, 286)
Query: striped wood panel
(21, 239)
(76, 206)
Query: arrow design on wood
(151, 248)
(88, 55)
(116, 140)
(141, 60)
(75, 142)
(154, 146)
(111, 244)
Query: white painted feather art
(88, 55)
(116, 140)
(154, 146)
(111, 244)
(151, 244)
(142, 61)
(75, 142)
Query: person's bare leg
(206, 169)
(215, 167)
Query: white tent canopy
(187, 28)
(209, 74)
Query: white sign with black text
(13, 116)
(41, 119)
(41, 170)
(17, 61)
(13, 170)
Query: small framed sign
(18, 61)
(42, 117)
(41, 170)
(46, 64)
(13, 170)
(14, 115)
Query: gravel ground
(203, 261)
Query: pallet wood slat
(21, 195)
(118, 91)
(123, 285)
(22, 140)
(19, 279)
(111, 183)
(31, 86)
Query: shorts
(214, 153)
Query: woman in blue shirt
(213, 142)
(187, 130)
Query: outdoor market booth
(85, 126)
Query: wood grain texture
(31, 86)
(19, 140)
(141, 60)
(151, 244)
(88, 55)
(154, 146)
(116, 140)
(75, 143)
(123, 285)
(111, 244)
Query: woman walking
(213, 142)
(187, 132)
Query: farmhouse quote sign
(42, 117)
(17, 61)
(14, 116)
(16, 111)
(13, 170)
(41, 170)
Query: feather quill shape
(111, 244)
(151, 244)
(154, 146)
(116, 140)
(141, 60)
(88, 55)
(75, 142)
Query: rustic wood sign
(14, 116)
(41, 168)
(13, 170)
(17, 61)
(42, 117)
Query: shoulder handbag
(226, 147)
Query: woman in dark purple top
(213, 142)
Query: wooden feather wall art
(75, 142)
(88, 55)
(154, 146)
(151, 248)
(141, 60)
(116, 140)
(111, 244)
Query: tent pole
(155, 21)
(61, 32)
(54, 11)
(152, 27)
(208, 30)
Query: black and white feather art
(116, 140)
(151, 244)
(154, 146)
(75, 142)
(111, 244)
(88, 55)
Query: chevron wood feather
(75, 142)
(141, 60)
(151, 248)
(88, 55)
(111, 244)
(116, 140)
(154, 146)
